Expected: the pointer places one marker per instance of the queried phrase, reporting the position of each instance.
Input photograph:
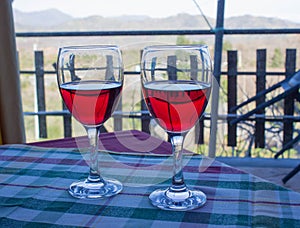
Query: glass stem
(177, 147)
(93, 136)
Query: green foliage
(25, 82)
(182, 40)
(55, 127)
(223, 92)
(227, 46)
(29, 122)
(277, 58)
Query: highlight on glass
(90, 81)
(176, 85)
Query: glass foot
(167, 199)
(93, 190)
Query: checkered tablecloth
(33, 183)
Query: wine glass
(176, 84)
(90, 80)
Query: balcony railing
(256, 132)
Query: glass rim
(175, 46)
(89, 46)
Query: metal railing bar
(115, 33)
(269, 118)
(33, 72)
(54, 72)
(161, 32)
(262, 31)
(138, 72)
(271, 73)
(146, 114)
(48, 113)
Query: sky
(284, 9)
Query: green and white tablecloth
(33, 183)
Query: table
(34, 179)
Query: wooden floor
(273, 170)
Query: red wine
(176, 105)
(91, 102)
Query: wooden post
(199, 135)
(290, 66)
(109, 75)
(172, 70)
(232, 95)
(109, 72)
(194, 67)
(118, 121)
(67, 119)
(40, 91)
(260, 86)
(219, 31)
(11, 117)
(145, 118)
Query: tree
(277, 58)
(181, 39)
(227, 46)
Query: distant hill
(54, 20)
(45, 18)
(248, 21)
